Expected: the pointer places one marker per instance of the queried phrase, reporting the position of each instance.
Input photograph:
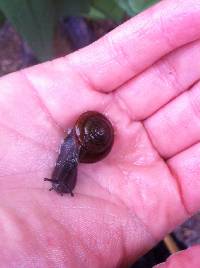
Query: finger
(162, 82)
(137, 44)
(183, 259)
(186, 167)
(177, 125)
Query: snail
(89, 141)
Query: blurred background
(33, 31)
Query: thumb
(183, 259)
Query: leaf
(110, 9)
(72, 7)
(35, 21)
(95, 14)
(133, 7)
(124, 4)
(2, 18)
(139, 5)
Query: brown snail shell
(95, 136)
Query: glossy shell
(95, 136)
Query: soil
(188, 234)
(14, 53)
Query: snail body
(89, 141)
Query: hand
(144, 77)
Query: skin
(144, 77)
(183, 259)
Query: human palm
(138, 76)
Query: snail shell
(90, 140)
(95, 136)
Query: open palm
(143, 77)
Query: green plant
(36, 20)
(133, 7)
(2, 18)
